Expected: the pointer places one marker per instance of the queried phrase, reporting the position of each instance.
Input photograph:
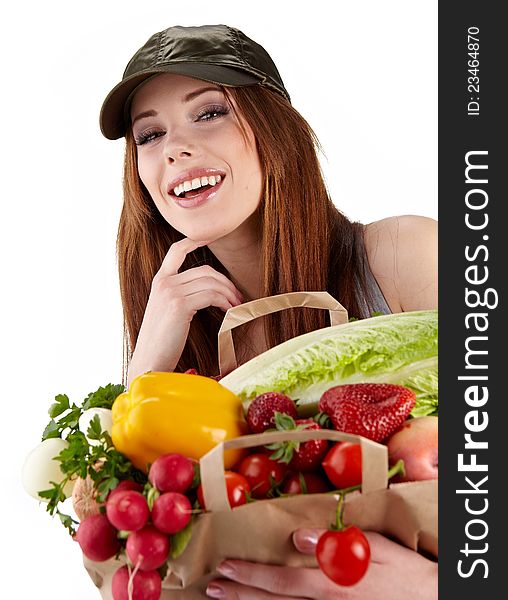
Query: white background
(365, 77)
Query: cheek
(251, 174)
(254, 184)
(148, 174)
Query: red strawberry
(373, 410)
(261, 412)
(301, 456)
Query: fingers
(206, 298)
(206, 277)
(401, 574)
(305, 540)
(198, 279)
(210, 292)
(228, 590)
(382, 549)
(277, 581)
(176, 255)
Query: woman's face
(193, 159)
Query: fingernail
(226, 569)
(214, 591)
(307, 538)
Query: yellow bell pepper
(175, 412)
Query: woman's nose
(176, 148)
(177, 154)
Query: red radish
(146, 585)
(126, 484)
(149, 546)
(128, 510)
(171, 473)
(171, 512)
(97, 538)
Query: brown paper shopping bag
(261, 531)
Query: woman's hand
(395, 573)
(174, 300)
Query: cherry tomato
(237, 487)
(343, 555)
(262, 473)
(343, 464)
(314, 484)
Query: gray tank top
(378, 302)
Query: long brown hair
(315, 245)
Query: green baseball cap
(216, 53)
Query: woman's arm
(402, 253)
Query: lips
(200, 195)
(193, 174)
(199, 198)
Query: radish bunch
(147, 518)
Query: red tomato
(237, 487)
(343, 464)
(262, 473)
(314, 484)
(343, 555)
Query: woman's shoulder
(402, 254)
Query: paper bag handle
(238, 315)
(374, 461)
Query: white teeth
(196, 183)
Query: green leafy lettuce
(399, 348)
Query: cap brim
(112, 122)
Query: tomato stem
(397, 469)
(339, 526)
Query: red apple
(416, 443)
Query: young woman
(225, 203)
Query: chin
(213, 228)
(208, 234)
(214, 225)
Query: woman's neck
(240, 253)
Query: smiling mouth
(195, 187)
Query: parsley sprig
(105, 465)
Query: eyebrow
(187, 98)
